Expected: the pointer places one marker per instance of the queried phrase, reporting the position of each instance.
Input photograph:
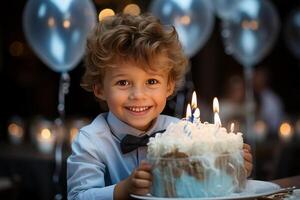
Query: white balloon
(292, 32)
(57, 30)
(251, 31)
(193, 20)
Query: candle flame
(216, 105)
(194, 100)
(216, 111)
(232, 127)
(188, 114)
(45, 133)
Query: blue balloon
(251, 30)
(193, 20)
(57, 30)
(292, 32)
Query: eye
(122, 83)
(152, 81)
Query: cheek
(115, 98)
(160, 98)
(161, 104)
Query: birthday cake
(194, 159)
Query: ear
(99, 91)
(170, 88)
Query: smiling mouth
(138, 108)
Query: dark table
(288, 182)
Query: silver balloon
(251, 30)
(57, 30)
(193, 20)
(292, 32)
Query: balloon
(292, 32)
(223, 8)
(193, 20)
(251, 30)
(57, 30)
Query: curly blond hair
(140, 39)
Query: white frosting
(194, 139)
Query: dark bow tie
(130, 142)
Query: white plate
(254, 188)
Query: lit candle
(196, 116)
(194, 101)
(195, 109)
(232, 128)
(188, 118)
(217, 119)
(16, 132)
(45, 140)
(188, 114)
(285, 132)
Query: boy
(134, 64)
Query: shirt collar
(120, 129)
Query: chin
(141, 126)
(140, 123)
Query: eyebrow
(118, 75)
(157, 74)
(154, 73)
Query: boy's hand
(248, 159)
(139, 182)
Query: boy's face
(134, 95)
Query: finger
(248, 157)
(143, 175)
(145, 166)
(248, 168)
(141, 183)
(247, 147)
(248, 163)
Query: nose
(137, 92)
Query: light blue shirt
(97, 163)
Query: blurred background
(244, 52)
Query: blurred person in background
(233, 103)
(269, 105)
